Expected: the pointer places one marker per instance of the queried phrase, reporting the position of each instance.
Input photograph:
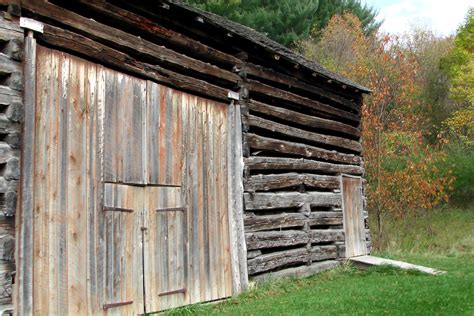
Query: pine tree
(288, 21)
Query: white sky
(443, 17)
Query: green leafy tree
(460, 67)
(288, 21)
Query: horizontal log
(285, 180)
(291, 82)
(303, 119)
(325, 218)
(325, 235)
(286, 130)
(272, 163)
(277, 259)
(255, 86)
(297, 272)
(107, 56)
(320, 253)
(253, 253)
(253, 223)
(261, 143)
(287, 238)
(124, 41)
(153, 30)
(265, 201)
(273, 239)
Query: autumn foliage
(401, 169)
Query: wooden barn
(153, 155)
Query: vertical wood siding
(145, 217)
(352, 207)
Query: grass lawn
(383, 290)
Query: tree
(288, 21)
(460, 67)
(429, 51)
(401, 170)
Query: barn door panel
(122, 268)
(124, 116)
(166, 251)
(163, 136)
(352, 205)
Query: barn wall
(11, 110)
(300, 129)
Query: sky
(400, 16)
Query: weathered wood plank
(24, 247)
(125, 41)
(235, 178)
(286, 130)
(76, 238)
(324, 109)
(292, 82)
(40, 297)
(261, 143)
(303, 119)
(104, 54)
(271, 163)
(266, 201)
(285, 180)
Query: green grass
(449, 232)
(377, 291)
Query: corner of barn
(293, 156)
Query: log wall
(11, 111)
(297, 141)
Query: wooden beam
(302, 119)
(124, 41)
(280, 181)
(107, 56)
(286, 238)
(24, 246)
(255, 223)
(260, 88)
(235, 185)
(278, 259)
(292, 82)
(261, 143)
(283, 129)
(298, 272)
(273, 239)
(272, 163)
(268, 201)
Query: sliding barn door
(353, 213)
(130, 193)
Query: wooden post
(236, 221)
(24, 283)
